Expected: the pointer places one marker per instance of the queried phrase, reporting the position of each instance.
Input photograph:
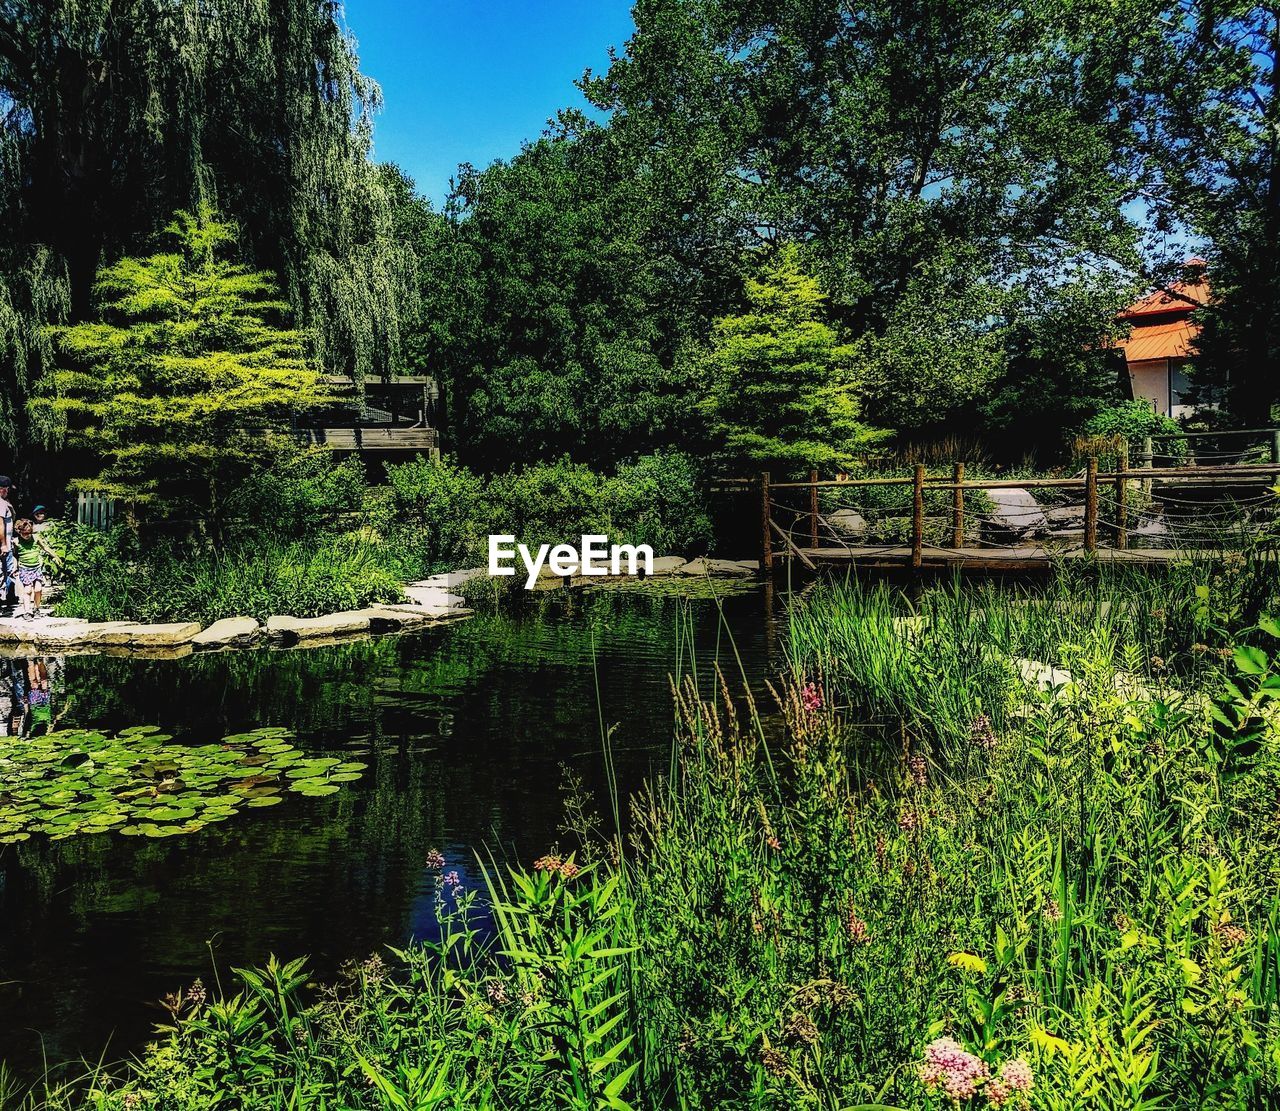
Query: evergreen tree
(781, 391)
(187, 383)
(116, 113)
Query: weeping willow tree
(116, 113)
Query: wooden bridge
(1148, 516)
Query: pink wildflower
(1016, 1073)
(434, 859)
(859, 934)
(998, 1093)
(811, 697)
(951, 1068)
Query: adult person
(7, 562)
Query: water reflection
(28, 686)
(466, 730)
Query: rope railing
(1124, 509)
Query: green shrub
(657, 501)
(1132, 422)
(254, 577)
(317, 491)
(435, 516)
(549, 503)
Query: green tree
(116, 113)
(781, 391)
(931, 155)
(552, 314)
(187, 384)
(1208, 93)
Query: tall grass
(254, 577)
(1076, 885)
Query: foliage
(74, 782)
(186, 386)
(314, 492)
(436, 513)
(930, 158)
(250, 574)
(120, 114)
(780, 390)
(1133, 421)
(659, 500)
(439, 514)
(549, 316)
(1060, 891)
(1206, 90)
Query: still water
(468, 731)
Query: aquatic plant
(139, 782)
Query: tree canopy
(118, 112)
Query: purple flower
(811, 697)
(435, 859)
(452, 879)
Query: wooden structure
(792, 526)
(94, 509)
(385, 416)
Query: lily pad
(139, 783)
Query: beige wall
(1150, 381)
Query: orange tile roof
(1161, 302)
(1171, 339)
(1162, 325)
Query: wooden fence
(799, 534)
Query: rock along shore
(429, 602)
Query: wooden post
(1091, 505)
(917, 518)
(1122, 497)
(766, 519)
(813, 508)
(1275, 445)
(1148, 460)
(957, 508)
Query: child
(28, 549)
(40, 519)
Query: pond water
(467, 731)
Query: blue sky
(468, 82)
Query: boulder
(383, 618)
(451, 580)
(165, 635)
(848, 523)
(55, 631)
(1040, 675)
(1065, 516)
(306, 628)
(1015, 511)
(435, 598)
(667, 565)
(229, 632)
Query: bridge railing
(939, 514)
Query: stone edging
(430, 602)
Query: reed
(999, 893)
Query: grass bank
(1002, 896)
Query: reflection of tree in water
(30, 688)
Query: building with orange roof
(1162, 342)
